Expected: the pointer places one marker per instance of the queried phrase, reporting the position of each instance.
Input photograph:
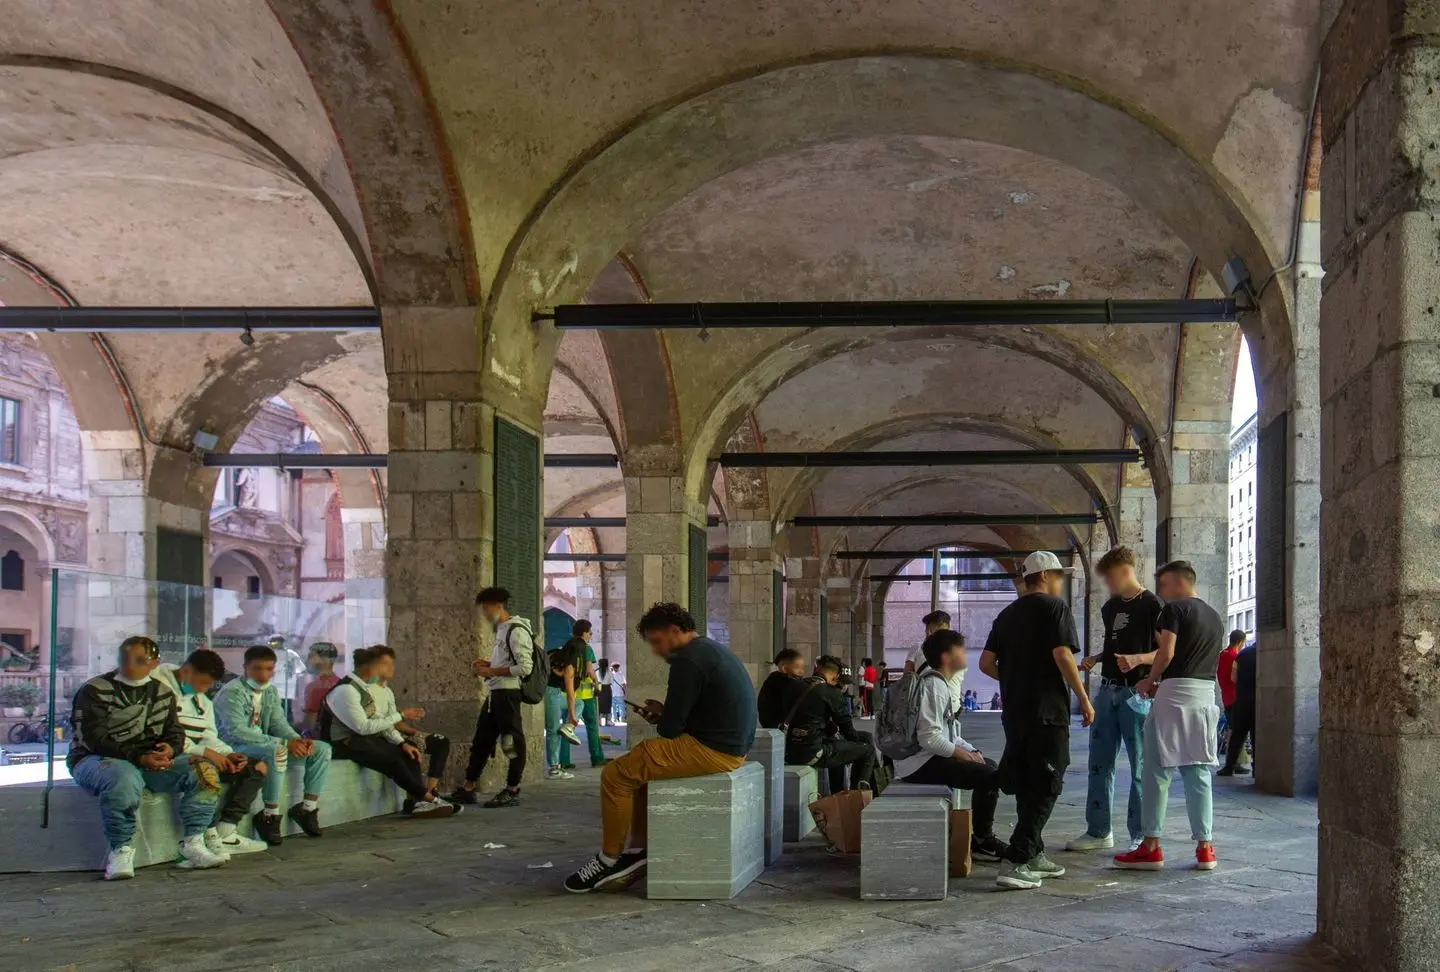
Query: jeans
(1198, 805)
(317, 765)
(387, 758)
(590, 716)
(499, 716)
(1242, 724)
(118, 784)
(835, 755)
(244, 787)
(1116, 723)
(1033, 769)
(557, 710)
(617, 708)
(980, 778)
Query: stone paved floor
(401, 894)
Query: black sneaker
(1227, 771)
(306, 820)
(462, 795)
(408, 805)
(990, 848)
(505, 798)
(1242, 771)
(595, 874)
(267, 828)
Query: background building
(1242, 527)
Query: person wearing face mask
(127, 733)
(320, 664)
(363, 728)
(252, 720)
(511, 660)
(189, 682)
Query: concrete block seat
(958, 799)
(802, 788)
(73, 840)
(769, 751)
(706, 834)
(904, 848)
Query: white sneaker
(1087, 843)
(238, 843)
(120, 864)
(213, 845)
(433, 808)
(1017, 877)
(568, 731)
(559, 774)
(195, 856)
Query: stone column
(1194, 515)
(1379, 879)
(877, 624)
(805, 592)
(613, 633)
(658, 517)
(753, 563)
(364, 576)
(840, 637)
(861, 600)
(1135, 522)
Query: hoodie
(116, 719)
(197, 715)
(513, 649)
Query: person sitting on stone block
(211, 755)
(252, 720)
(320, 664)
(432, 744)
(770, 703)
(706, 725)
(127, 735)
(945, 758)
(361, 722)
(819, 731)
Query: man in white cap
(1031, 653)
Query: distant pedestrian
(1242, 712)
(617, 695)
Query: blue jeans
(1198, 798)
(589, 711)
(317, 765)
(118, 784)
(556, 711)
(1115, 723)
(617, 708)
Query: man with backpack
(560, 712)
(935, 751)
(819, 731)
(508, 676)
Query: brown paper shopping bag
(838, 817)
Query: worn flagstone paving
(394, 893)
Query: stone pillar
(1380, 597)
(877, 625)
(752, 602)
(861, 600)
(658, 517)
(805, 592)
(840, 637)
(613, 633)
(364, 576)
(1194, 516)
(1135, 522)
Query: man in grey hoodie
(511, 659)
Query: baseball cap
(1042, 560)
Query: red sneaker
(1141, 859)
(1205, 857)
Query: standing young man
(1180, 730)
(945, 757)
(1242, 712)
(1131, 616)
(579, 644)
(934, 621)
(196, 712)
(820, 732)
(252, 720)
(770, 703)
(560, 716)
(706, 725)
(127, 736)
(1225, 676)
(511, 659)
(1031, 653)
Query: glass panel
(9, 431)
(87, 615)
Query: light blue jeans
(1196, 779)
(556, 711)
(1116, 724)
(119, 783)
(317, 766)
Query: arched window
(12, 572)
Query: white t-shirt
(916, 660)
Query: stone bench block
(769, 751)
(904, 848)
(74, 842)
(802, 788)
(707, 834)
(958, 799)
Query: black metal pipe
(565, 522)
(293, 460)
(946, 554)
(945, 577)
(949, 519)
(879, 313)
(581, 460)
(611, 558)
(994, 457)
(140, 319)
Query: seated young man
(706, 725)
(361, 721)
(820, 731)
(945, 757)
(190, 681)
(127, 735)
(252, 720)
(770, 704)
(431, 744)
(320, 663)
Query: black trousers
(244, 788)
(437, 747)
(382, 756)
(1033, 770)
(500, 716)
(835, 755)
(980, 778)
(1242, 724)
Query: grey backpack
(895, 725)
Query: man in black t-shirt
(1180, 730)
(1242, 711)
(1130, 615)
(769, 704)
(1031, 652)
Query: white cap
(1042, 560)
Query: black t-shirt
(568, 654)
(770, 703)
(1245, 674)
(1023, 639)
(1199, 638)
(1129, 630)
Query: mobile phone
(637, 708)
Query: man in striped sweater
(203, 745)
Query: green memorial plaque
(699, 575)
(518, 485)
